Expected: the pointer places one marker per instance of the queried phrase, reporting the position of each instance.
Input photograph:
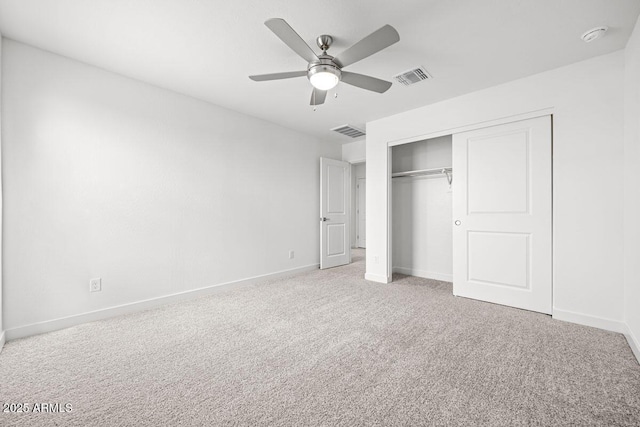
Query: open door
(502, 214)
(335, 178)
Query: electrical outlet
(95, 285)
(291, 254)
(376, 260)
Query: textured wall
(632, 186)
(1, 200)
(587, 102)
(154, 192)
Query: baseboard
(601, 323)
(633, 343)
(593, 321)
(424, 274)
(377, 278)
(2, 340)
(105, 313)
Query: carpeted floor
(326, 348)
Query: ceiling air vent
(349, 130)
(415, 75)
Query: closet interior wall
(422, 210)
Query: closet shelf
(425, 172)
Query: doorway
(358, 204)
(361, 213)
(422, 209)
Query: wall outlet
(376, 260)
(291, 254)
(95, 285)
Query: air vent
(415, 75)
(349, 130)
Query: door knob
(457, 222)
(324, 219)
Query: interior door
(361, 214)
(335, 179)
(502, 214)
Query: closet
(475, 209)
(422, 208)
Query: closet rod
(425, 172)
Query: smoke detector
(594, 33)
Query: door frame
(358, 208)
(354, 196)
(459, 129)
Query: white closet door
(502, 214)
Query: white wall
(422, 211)
(430, 153)
(632, 187)
(2, 337)
(357, 171)
(587, 103)
(154, 192)
(354, 152)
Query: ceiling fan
(325, 71)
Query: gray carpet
(326, 348)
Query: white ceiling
(207, 48)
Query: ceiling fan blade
(318, 96)
(278, 76)
(365, 82)
(291, 38)
(374, 42)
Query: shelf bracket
(449, 176)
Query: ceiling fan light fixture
(324, 77)
(324, 80)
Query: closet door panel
(488, 191)
(502, 214)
